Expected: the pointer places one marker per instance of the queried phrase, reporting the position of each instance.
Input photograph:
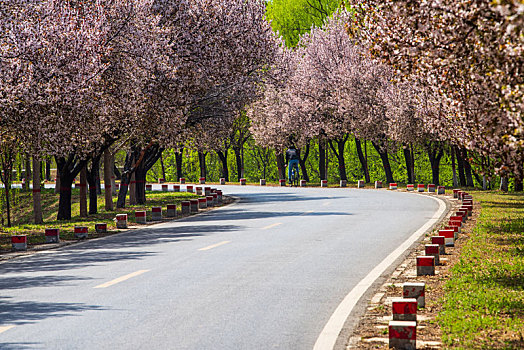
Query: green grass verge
(483, 306)
(22, 215)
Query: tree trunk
(8, 204)
(302, 162)
(202, 163)
(460, 165)
(140, 185)
(37, 196)
(467, 169)
(339, 153)
(68, 169)
(83, 192)
(178, 159)
(48, 169)
(225, 168)
(91, 180)
(281, 166)
(385, 162)
(107, 181)
(238, 159)
(27, 175)
(113, 177)
(132, 190)
(322, 159)
(363, 161)
(435, 153)
(453, 168)
(504, 184)
(57, 182)
(518, 183)
(163, 168)
(409, 170)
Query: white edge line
(329, 335)
(214, 245)
(121, 279)
(5, 328)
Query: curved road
(264, 273)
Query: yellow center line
(121, 279)
(271, 226)
(5, 328)
(215, 245)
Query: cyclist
(292, 160)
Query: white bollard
(393, 186)
(378, 184)
(323, 183)
(262, 182)
(361, 184)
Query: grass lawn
(22, 211)
(483, 306)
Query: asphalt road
(264, 273)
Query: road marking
(307, 212)
(5, 328)
(215, 245)
(271, 226)
(121, 279)
(329, 335)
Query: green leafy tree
(291, 18)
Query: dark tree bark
(363, 161)
(385, 162)
(322, 159)
(83, 192)
(163, 168)
(151, 156)
(68, 168)
(460, 165)
(178, 159)
(92, 175)
(281, 165)
(435, 153)
(117, 173)
(238, 159)
(202, 163)
(504, 184)
(37, 198)
(339, 153)
(302, 161)
(467, 168)
(518, 183)
(27, 174)
(454, 168)
(48, 169)
(108, 194)
(222, 155)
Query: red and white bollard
(198, 191)
(449, 237)
(52, 235)
(140, 216)
(361, 184)
(262, 182)
(171, 210)
(343, 183)
(149, 187)
(431, 188)
(441, 242)
(215, 198)
(101, 227)
(207, 191)
(455, 193)
(415, 290)
(455, 230)
(404, 309)
(19, 242)
(222, 181)
(202, 203)
(462, 213)
(303, 183)
(185, 207)
(164, 187)
(393, 186)
(425, 265)
(176, 188)
(161, 181)
(202, 180)
(121, 221)
(209, 200)
(402, 334)
(282, 182)
(156, 213)
(81, 232)
(242, 182)
(323, 183)
(189, 188)
(432, 250)
(421, 187)
(219, 196)
(441, 190)
(182, 180)
(193, 205)
(378, 184)
(410, 187)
